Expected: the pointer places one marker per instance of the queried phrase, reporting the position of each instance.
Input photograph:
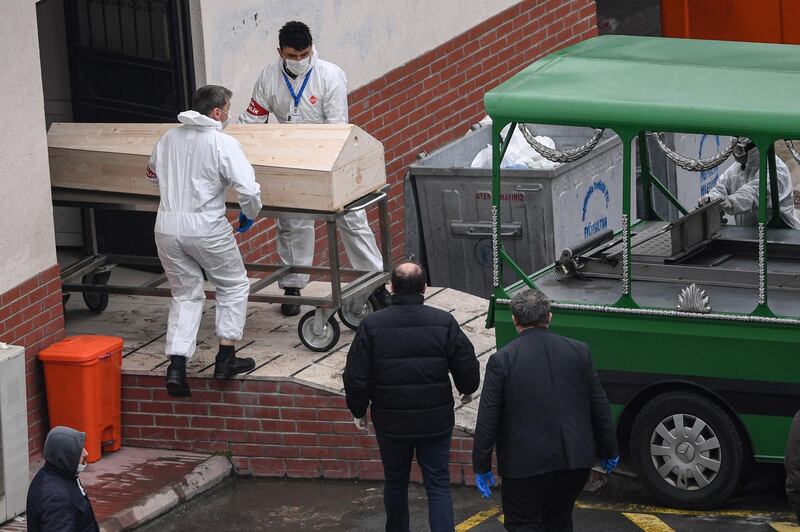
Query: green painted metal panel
(768, 435)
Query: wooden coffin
(320, 167)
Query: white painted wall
(26, 211)
(367, 38)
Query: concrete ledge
(202, 478)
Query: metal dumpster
(449, 207)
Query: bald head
(408, 278)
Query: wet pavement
(290, 505)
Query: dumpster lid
(81, 348)
(678, 85)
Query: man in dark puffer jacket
(399, 361)
(57, 501)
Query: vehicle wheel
(328, 337)
(96, 301)
(351, 316)
(688, 451)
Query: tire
(95, 301)
(323, 342)
(351, 318)
(709, 439)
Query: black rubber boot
(383, 296)
(177, 385)
(288, 309)
(227, 365)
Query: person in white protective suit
(738, 186)
(298, 87)
(194, 165)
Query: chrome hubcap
(685, 451)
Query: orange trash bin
(83, 382)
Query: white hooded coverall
(194, 165)
(740, 187)
(323, 101)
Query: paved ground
(290, 505)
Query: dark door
(130, 61)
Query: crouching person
(57, 501)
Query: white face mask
(81, 467)
(298, 68)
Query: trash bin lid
(80, 349)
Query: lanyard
(296, 97)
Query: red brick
(137, 419)
(260, 386)
(274, 425)
(130, 406)
(226, 410)
(302, 468)
(172, 421)
(318, 452)
(155, 407)
(157, 433)
(136, 393)
(300, 440)
(191, 409)
(240, 398)
(192, 434)
(246, 449)
(243, 424)
(336, 440)
(274, 399)
(266, 438)
(300, 414)
(280, 451)
(203, 422)
(353, 453)
(267, 467)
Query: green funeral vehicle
(693, 320)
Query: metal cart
(351, 290)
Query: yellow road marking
(645, 509)
(648, 522)
(784, 527)
(478, 518)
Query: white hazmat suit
(194, 165)
(322, 101)
(740, 187)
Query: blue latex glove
(609, 464)
(484, 481)
(245, 223)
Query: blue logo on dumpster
(597, 225)
(708, 178)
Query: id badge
(294, 115)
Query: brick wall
(31, 315)
(433, 99)
(270, 428)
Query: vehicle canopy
(632, 83)
(640, 85)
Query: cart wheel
(328, 337)
(96, 302)
(351, 316)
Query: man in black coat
(57, 501)
(542, 405)
(399, 362)
(792, 464)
